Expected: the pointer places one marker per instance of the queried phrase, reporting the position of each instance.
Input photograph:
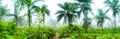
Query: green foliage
(42, 32)
(3, 11)
(101, 16)
(86, 1)
(67, 31)
(41, 13)
(99, 36)
(77, 32)
(68, 12)
(9, 30)
(74, 36)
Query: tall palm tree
(101, 16)
(28, 4)
(67, 13)
(15, 11)
(41, 13)
(85, 8)
(17, 19)
(114, 6)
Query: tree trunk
(101, 23)
(29, 16)
(69, 20)
(43, 19)
(115, 22)
(65, 20)
(16, 20)
(85, 25)
(15, 13)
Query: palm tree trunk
(85, 25)
(115, 22)
(43, 19)
(29, 17)
(15, 12)
(65, 20)
(101, 24)
(69, 25)
(69, 21)
(16, 20)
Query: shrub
(67, 31)
(74, 36)
(42, 32)
(7, 29)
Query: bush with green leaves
(77, 32)
(41, 32)
(68, 31)
(9, 30)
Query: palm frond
(107, 2)
(62, 6)
(85, 1)
(59, 12)
(59, 17)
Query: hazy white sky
(53, 7)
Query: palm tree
(101, 16)
(15, 11)
(28, 4)
(67, 13)
(114, 6)
(41, 13)
(85, 8)
(17, 19)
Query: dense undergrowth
(9, 30)
(77, 32)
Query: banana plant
(42, 12)
(29, 4)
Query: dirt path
(56, 37)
